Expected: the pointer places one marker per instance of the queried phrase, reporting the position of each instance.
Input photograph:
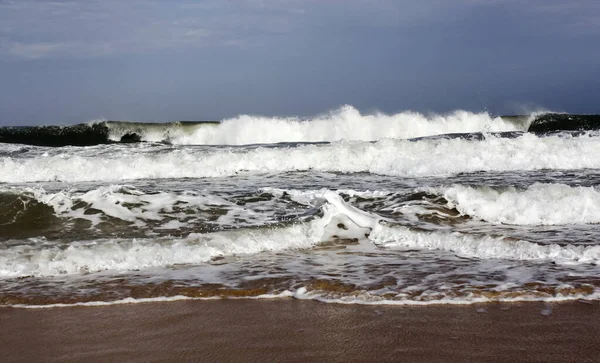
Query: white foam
(345, 123)
(482, 247)
(48, 259)
(130, 300)
(367, 299)
(124, 202)
(312, 197)
(539, 204)
(359, 217)
(308, 197)
(303, 294)
(386, 157)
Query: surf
(537, 204)
(392, 157)
(344, 123)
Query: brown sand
(293, 330)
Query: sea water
(343, 207)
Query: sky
(64, 61)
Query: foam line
(483, 247)
(386, 157)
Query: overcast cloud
(157, 60)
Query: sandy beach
(293, 330)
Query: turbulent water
(351, 208)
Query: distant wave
(345, 123)
(551, 122)
(96, 133)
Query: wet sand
(294, 330)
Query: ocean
(403, 209)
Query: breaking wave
(385, 157)
(539, 204)
(345, 123)
(339, 220)
(50, 259)
(483, 247)
(125, 211)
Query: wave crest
(539, 204)
(345, 123)
(386, 157)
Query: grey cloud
(71, 61)
(36, 29)
(91, 28)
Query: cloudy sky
(69, 61)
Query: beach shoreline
(297, 330)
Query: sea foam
(51, 258)
(339, 220)
(345, 123)
(482, 247)
(539, 204)
(386, 157)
